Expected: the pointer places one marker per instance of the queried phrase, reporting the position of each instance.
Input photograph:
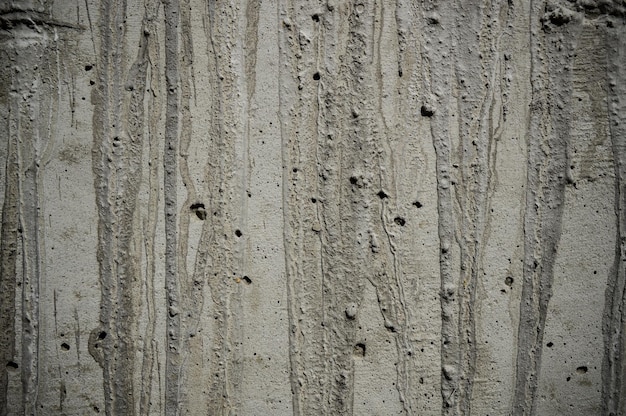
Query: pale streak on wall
(333, 207)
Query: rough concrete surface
(277, 207)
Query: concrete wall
(332, 207)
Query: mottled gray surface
(332, 207)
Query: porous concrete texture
(337, 207)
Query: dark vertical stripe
(436, 74)
(614, 319)
(170, 164)
(117, 147)
(9, 240)
(551, 46)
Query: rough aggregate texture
(284, 207)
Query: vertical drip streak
(551, 48)
(150, 221)
(170, 164)
(614, 319)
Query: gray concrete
(312, 207)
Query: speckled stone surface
(279, 207)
